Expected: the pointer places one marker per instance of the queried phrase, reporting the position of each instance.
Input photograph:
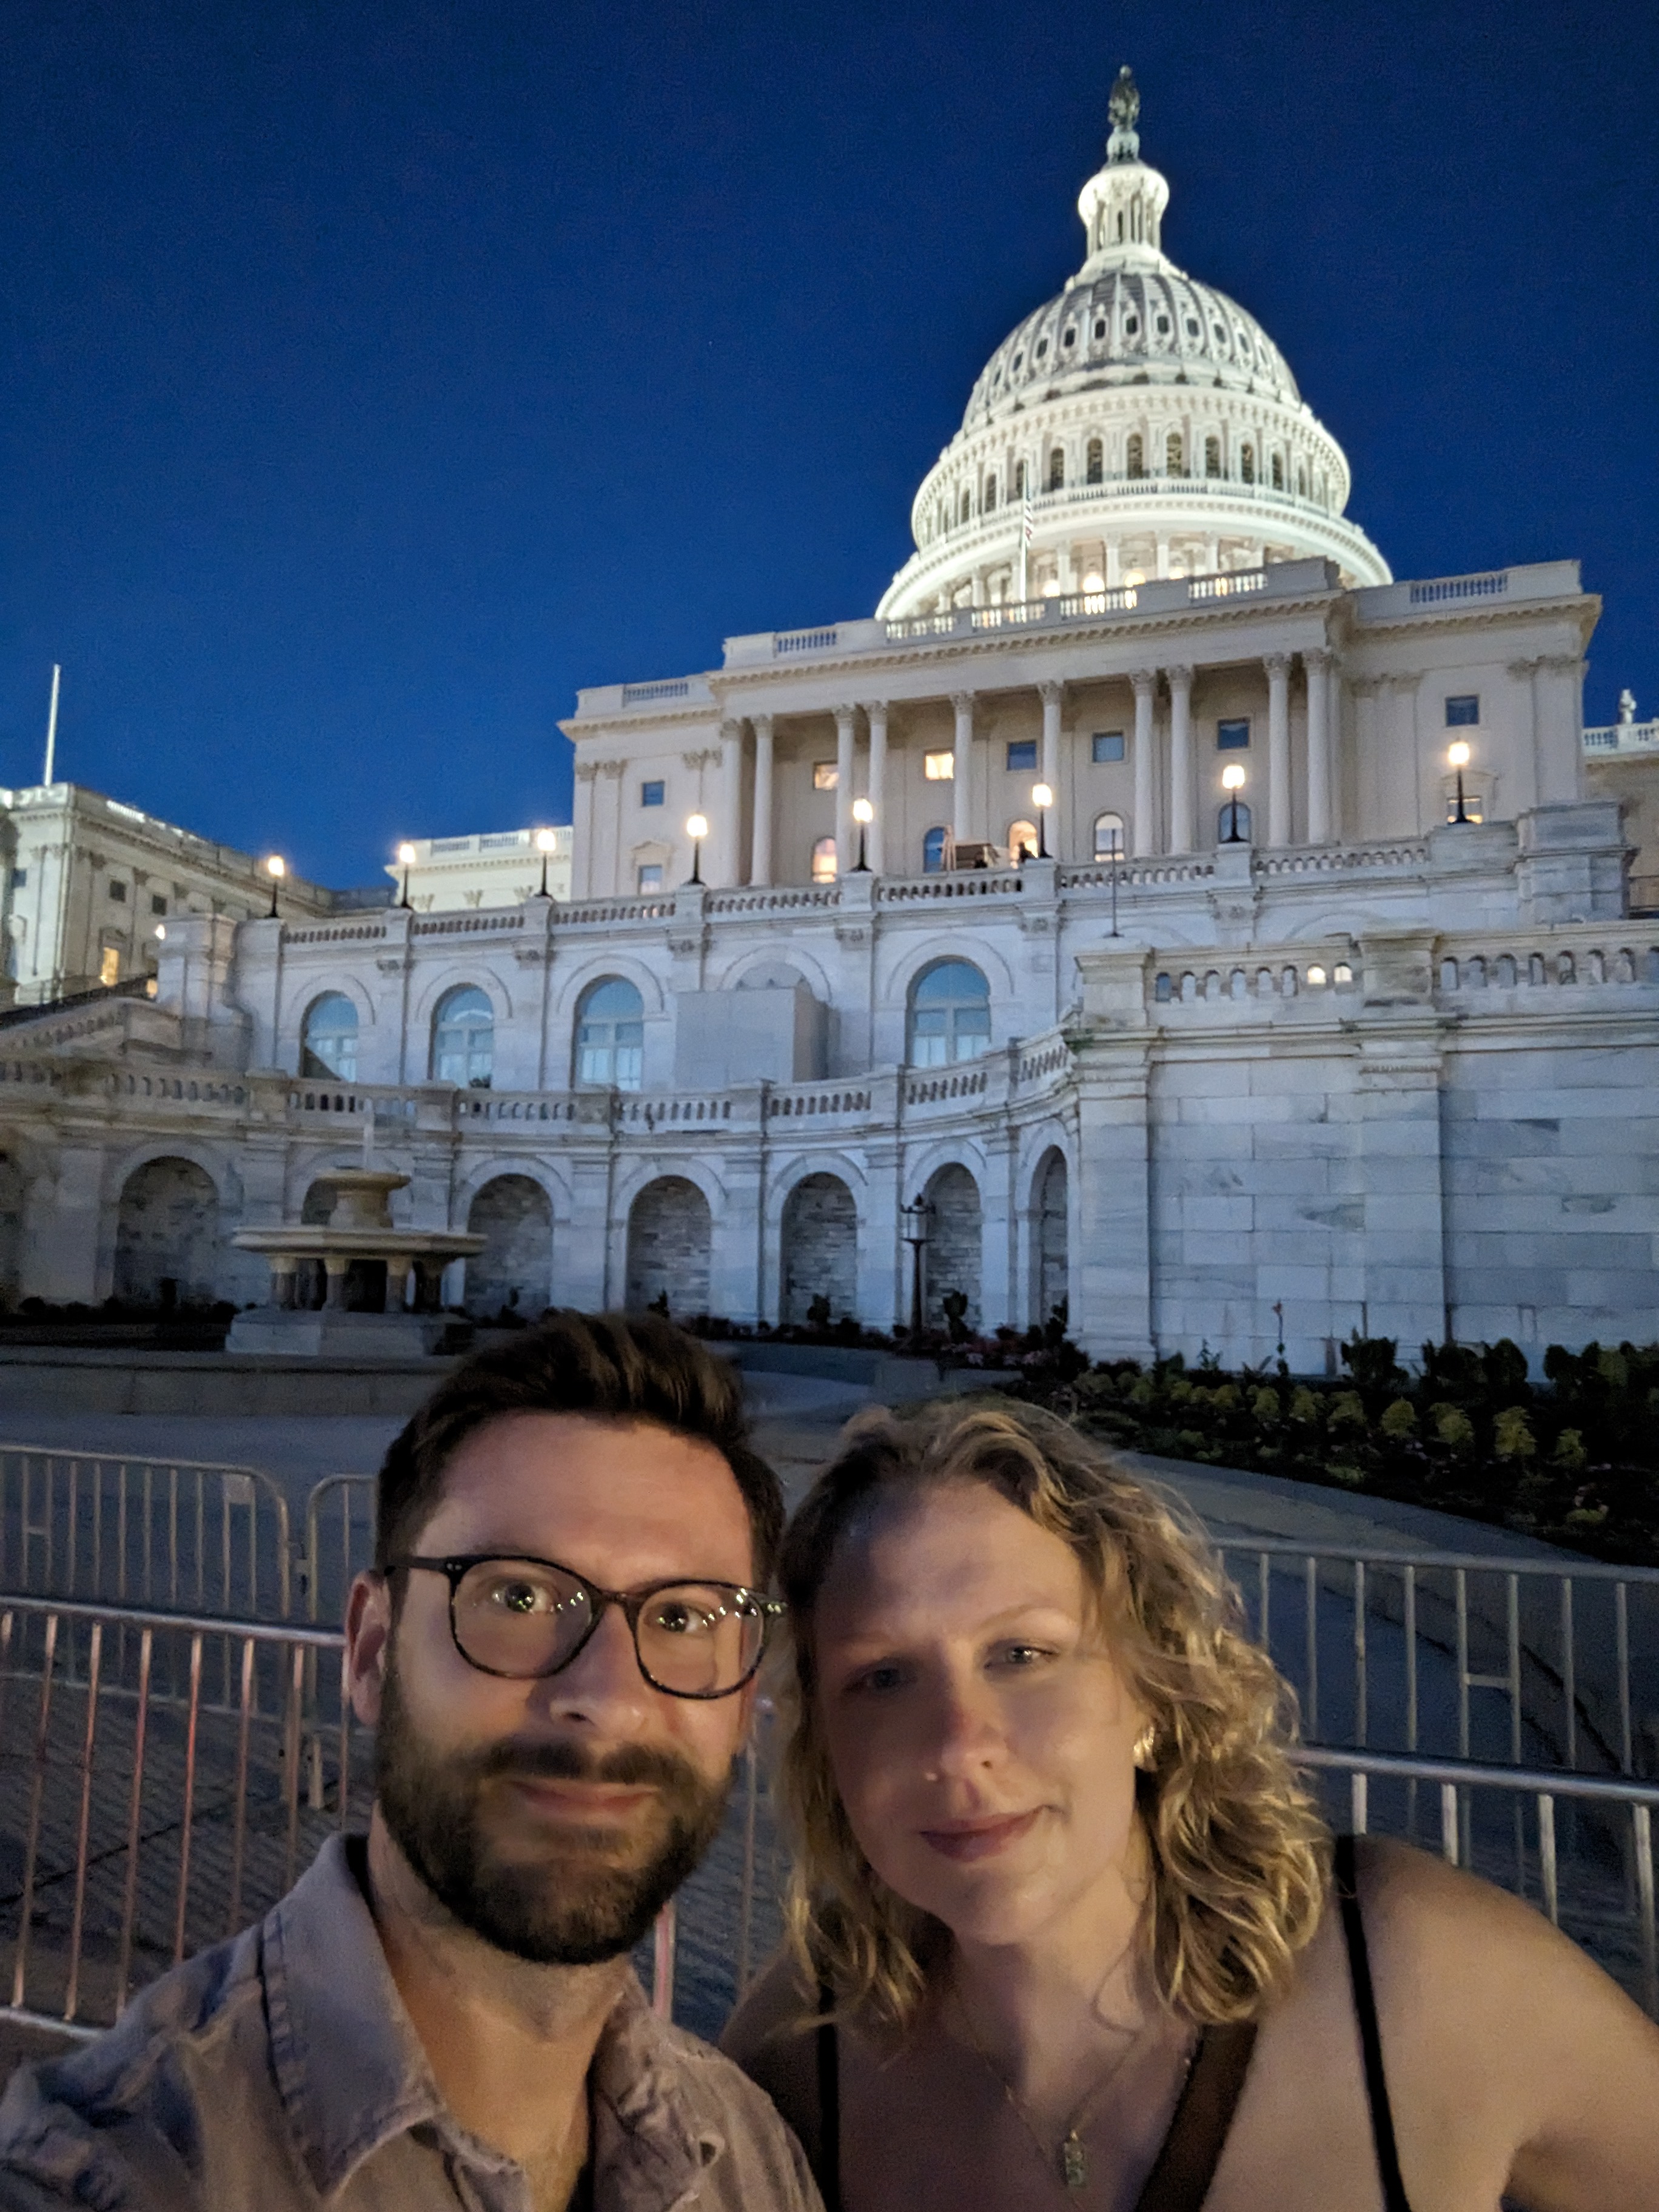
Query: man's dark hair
(617, 1367)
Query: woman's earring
(1145, 1744)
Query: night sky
(374, 374)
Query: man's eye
(522, 1597)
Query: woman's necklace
(1069, 2163)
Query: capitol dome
(1140, 424)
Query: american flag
(1028, 521)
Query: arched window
(1302, 484)
(1137, 456)
(990, 494)
(950, 1014)
(1213, 457)
(933, 851)
(1096, 460)
(1279, 471)
(967, 506)
(823, 860)
(1224, 824)
(464, 1039)
(610, 1035)
(328, 1040)
(1057, 470)
(1019, 479)
(1247, 464)
(1173, 455)
(1021, 842)
(1109, 836)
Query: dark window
(1192, 331)
(1043, 348)
(1132, 327)
(1056, 469)
(1070, 338)
(651, 794)
(1137, 465)
(157, 903)
(1164, 326)
(1019, 480)
(118, 891)
(1173, 455)
(1096, 458)
(1247, 464)
(1463, 712)
(1278, 472)
(1232, 824)
(1213, 457)
(19, 878)
(1021, 752)
(1100, 326)
(1233, 737)
(1106, 745)
(990, 494)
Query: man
(557, 1647)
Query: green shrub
(1512, 1437)
(1399, 1419)
(1453, 1426)
(1347, 1411)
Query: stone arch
(167, 1233)
(670, 1238)
(955, 1242)
(514, 1273)
(818, 1249)
(1050, 1242)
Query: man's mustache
(629, 1766)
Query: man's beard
(591, 1897)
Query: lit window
(1315, 976)
(647, 876)
(1342, 973)
(1174, 462)
(1022, 841)
(1463, 712)
(651, 794)
(950, 1014)
(1137, 452)
(1233, 737)
(1057, 470)
(939, 767)
(1096, 460)
(611, 1035)
(1213, 457)
(109, 968)
(328, 1037)
(823, 860)
(1021, 752)
(464, 1039)
(1109, 836)
(932, 851)
(1106, 745)
(825, 776)
(118, 891)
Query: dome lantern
(1123, 205)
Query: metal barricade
(1494, 1658)
(119, 1529)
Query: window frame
(471, 1077)
(1458, 720)
(1027, 749)
(1226, 743)
(654, 791)
(614, 1046)
(322, 1070)
(1100, 744)
(949, 1032)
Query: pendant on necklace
(1073, 2163)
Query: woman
(1066, 1926)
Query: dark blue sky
(375, 372)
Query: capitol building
(1196, 925)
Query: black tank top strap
(1185, 2166)
(1394, 2198)
(829, 2068)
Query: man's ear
(369, 1641)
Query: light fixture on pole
(276, 868)
(863, 814)
(547, 842)
(914, 1232)
(407, 857)
(1232, 782)
(1457, 756)
(697, 829)
(1042, 798)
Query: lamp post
(546, 844)
(863, 814)
(1042, 798)
(407, 857)
(1232, 782)
(276, 868)
(1457, 756)
(914, 1218)
(697, 829)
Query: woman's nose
(966, 1730)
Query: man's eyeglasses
(526, 1618)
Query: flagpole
(52, 724)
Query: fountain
(361, 1262)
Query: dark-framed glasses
(526, 1619)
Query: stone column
(1182, 827)
(961, 801)
(846, 723)
(1052, 696)
(1316, 666)
(1145, 681)
(1278, 666)
(728, 804)
(875, 789)
(760, 849)
(581, 837)
(1558, 696)
(334, 1268)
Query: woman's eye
(887, 1676)
(1021, 1656)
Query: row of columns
(1270, 793)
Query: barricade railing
(1494, 1657)
(121, 1530)
(137, 1827)
(339, 1542)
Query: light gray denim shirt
(280, 2071)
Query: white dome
(1140, 423)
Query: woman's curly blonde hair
(1240, 1855)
